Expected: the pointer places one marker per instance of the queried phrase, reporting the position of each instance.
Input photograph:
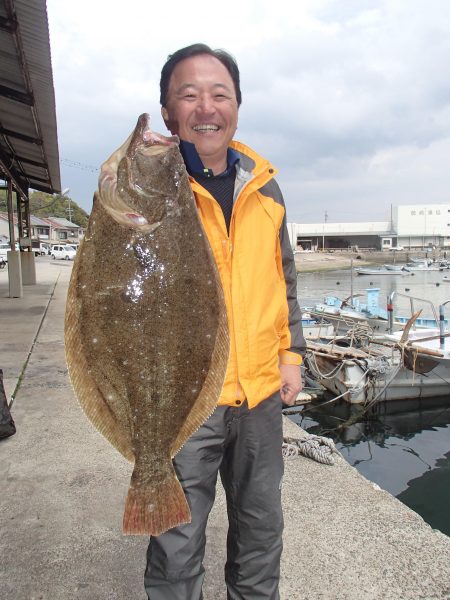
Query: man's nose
(206, 104)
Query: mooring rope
(315, 370)
(320, 449)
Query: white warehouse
(415, 226)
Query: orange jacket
(259, 280)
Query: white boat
(427, 266)
(384, 271)
(418, 259)
(395, 268)
(316, 329)
(342, 318)
(350, 312)
(386, 370)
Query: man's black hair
(194, 50)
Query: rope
(316, 372)
(359, 333)
(320, 449)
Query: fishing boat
(382, 271)
(418, 369)
(413, 363)
(427, 266)
(350, 312)
(341, 316)
(394, 268)
(316, 329)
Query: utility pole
(68, 210)
(325, 219)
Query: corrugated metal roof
(63, 222)
(55, 222)
(38, 221)
(59, 223)
(28, 132)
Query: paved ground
(63, 488)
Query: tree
(48, 205)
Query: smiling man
(244, 217)
(202, 108)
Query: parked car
(63, 252)
(4, 251)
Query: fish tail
(153, 510)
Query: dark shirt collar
(194, 163)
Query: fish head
(140, 180)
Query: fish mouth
(206, 128)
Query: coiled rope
(320, 449)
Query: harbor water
(402, 446)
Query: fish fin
(154, 510)
(87, 391)
(207, 399)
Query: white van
(64, 252)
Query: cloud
(348, 99)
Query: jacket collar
(194, 165)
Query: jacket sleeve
(293, 344)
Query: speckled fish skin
(145, 330)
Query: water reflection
(312, 287)
(402, 446)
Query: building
(422, 226)
(413, 227)
(52, 230)
(64, 230)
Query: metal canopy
(28, 135)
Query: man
(243, 214)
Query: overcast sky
(349, 99)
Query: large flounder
(145, 329)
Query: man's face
(202, 108)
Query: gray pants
(245, 447)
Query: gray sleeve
(298, 343)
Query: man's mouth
(206, 127)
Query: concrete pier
(63, 489)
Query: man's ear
(165, 114)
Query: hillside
(47, 205)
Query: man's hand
(291, 383)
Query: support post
(15, 274)
(28, 266)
